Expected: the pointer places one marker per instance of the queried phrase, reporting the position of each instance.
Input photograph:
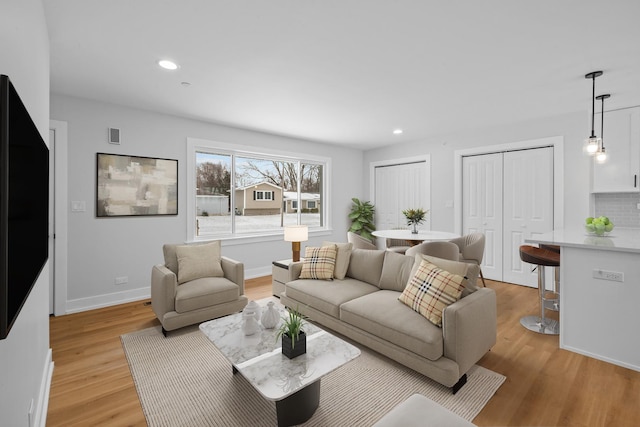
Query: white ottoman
(418, 411)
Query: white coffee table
(294, 384)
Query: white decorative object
(270, 317)
(250, 318)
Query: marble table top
(259, 357)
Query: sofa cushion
(198, 261)
(327, 296)
(205, 292)
(396, 271)
(366, 265)
(319, 263)
(381, 314)
(342, 258)
(468, 270)
(431, 290)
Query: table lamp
(296, 234)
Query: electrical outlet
(122, 280)
(614, 276)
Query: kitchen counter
(620, 239)
(599, 293)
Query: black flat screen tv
(24, 204)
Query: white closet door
(482, 207)
(400, 187)
(528, 207)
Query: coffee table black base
(298, 407)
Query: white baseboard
(40, 418)
(257, 272)
(107, 300)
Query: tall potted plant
(415, 217)
(362, 218)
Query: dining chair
(359, 242)
(444, 250)
(471, 249)
(397, 245)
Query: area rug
(183, 380)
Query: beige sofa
(364, 306)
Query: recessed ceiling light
(397, 131)
(168, 65)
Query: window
(246, 193)
(263, 195)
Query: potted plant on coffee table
(415, 217)
(294, 340)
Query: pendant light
(601, 155)
(593, 142)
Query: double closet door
(508, 196)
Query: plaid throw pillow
(431, 290)
(319, 263)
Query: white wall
(573, 128)
(100, 249)
(24, 354)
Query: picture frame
(135, 186)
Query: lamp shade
(296, 233)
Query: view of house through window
(239, 194)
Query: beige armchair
(471, 249)
(444, 250)
(195, 284)
(359, 242)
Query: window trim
(197, 144)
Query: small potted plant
(415, 217)
(294, 340)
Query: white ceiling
(348, 71)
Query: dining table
(415, 238)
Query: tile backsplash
(621, 208)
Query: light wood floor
(545, 386)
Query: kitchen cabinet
(621, 172)
(599, 293)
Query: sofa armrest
(470, 328)
(234, 271)
(163, 290)
(295, 268)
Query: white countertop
(620, 239)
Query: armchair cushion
(205, 292)
(198, 261)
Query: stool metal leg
(541, 324)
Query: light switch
(78, 206)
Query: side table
(279, 276)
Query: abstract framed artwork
(136, 186)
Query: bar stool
(541, 257)
(555, 305)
